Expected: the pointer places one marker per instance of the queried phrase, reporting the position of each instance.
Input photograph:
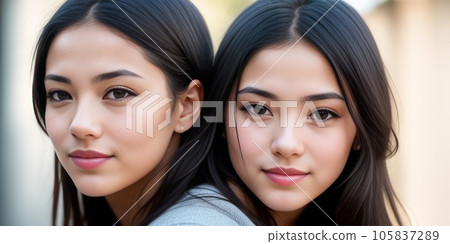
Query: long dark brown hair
(363, 194)
(179, 32)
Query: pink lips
(88, 159)
(278, 176)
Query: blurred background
(414, 40)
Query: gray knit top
(202, 206)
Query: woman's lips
(285, 177)
(88, 159)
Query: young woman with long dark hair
(306, 137)
(98, 65)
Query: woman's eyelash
(256, 108)
(324, 114)
(119, 93)
(261, 109)
(115, 93)
(58, 95)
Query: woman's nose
(86, 122)
(288, 142)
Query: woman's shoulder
(203, 205)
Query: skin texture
(85, 113)
(320, 152)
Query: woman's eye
(322, 115)
(257, 109)
(118, 94)
(58, 96)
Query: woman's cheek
(57, 126)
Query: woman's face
(296, 144)
(91, 74)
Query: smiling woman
(308, 157)
(310, 128)
(92, 59)
(88, 97)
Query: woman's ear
(189, 106)
(356, 143)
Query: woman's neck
(287, 218)
(126, 203)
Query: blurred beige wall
(414, 39)
(219, 14)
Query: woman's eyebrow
(57, 78)
(114, 74)
(313, 97)
(258, 92)
(322, 96)
(100, 77)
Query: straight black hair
(179, 43)
(362, 195)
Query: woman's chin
(284, 205)
(94, 190)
